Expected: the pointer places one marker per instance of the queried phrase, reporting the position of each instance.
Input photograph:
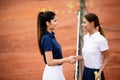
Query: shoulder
(101, 38)
(45, 37)
(103, 43)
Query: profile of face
(52, 24)
(87, 26)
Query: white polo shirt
(91, 51)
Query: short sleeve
(103, 45)
(46, 43)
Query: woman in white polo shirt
(95, 48)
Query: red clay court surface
(19, 55)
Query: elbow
(107, 58)
(107, 61)
(50, 63)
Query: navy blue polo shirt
(49, 43)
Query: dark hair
(91, 17)
(43, 17)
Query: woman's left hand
(98, 76)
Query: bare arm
(105, 61)
(52, 62)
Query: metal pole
(78, 74)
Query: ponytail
(101, 31)
(39, 31)
(42, 18)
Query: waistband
(91, 68)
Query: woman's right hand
(71, 59)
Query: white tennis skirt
(53, 73)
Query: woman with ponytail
(95, 48)
(49, 47)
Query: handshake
(72, 59)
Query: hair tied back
(41, 14)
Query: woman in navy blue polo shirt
(50, 48)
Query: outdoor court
(19, 54)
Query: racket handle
(96, 75)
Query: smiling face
(88, 26)
(52, 24)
